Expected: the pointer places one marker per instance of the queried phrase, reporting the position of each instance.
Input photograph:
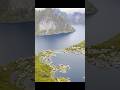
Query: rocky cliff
(47, 22)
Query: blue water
(16, 41)
(76, 73)
(61, 41)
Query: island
(14, 74)
(45, 69)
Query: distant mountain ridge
(16, 10)
(48, 22)
(77, 18)
(72, 18)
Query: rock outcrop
(47, 22)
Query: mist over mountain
(72, 18)
(51, 21)
(77, 18)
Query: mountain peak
(48, 23)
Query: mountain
(114, 42)
(90, 9)
(17, 10)
(49, 21)
(71, 18)
(77, 18)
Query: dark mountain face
(114, 42)
(17, 10)
(90, 9)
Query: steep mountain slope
(114, 42)
(47, 22)
(16, 10)
(90, 9)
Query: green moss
(45, 69)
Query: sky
(68, 10)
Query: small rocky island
(47, 22)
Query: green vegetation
(114, 42)
(22, 69)
(79, 48)
(5, 83)
(105, 54)
(45, 69)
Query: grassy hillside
(113, 42)
(5, 83)
(45, 70)
(22, 69)
(106, 54)
(78, 48)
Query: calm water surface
(57, 42)
(60, 41)
(16, 40)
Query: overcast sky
(68, 10)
